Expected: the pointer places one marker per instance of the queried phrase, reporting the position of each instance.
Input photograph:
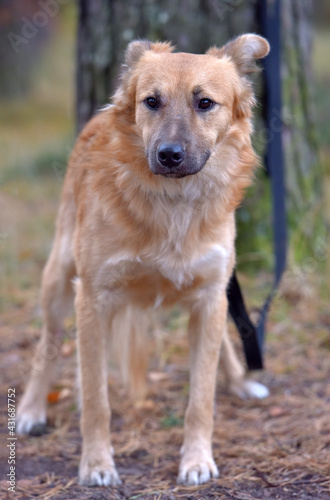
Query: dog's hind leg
(237, 383)
(129, 341)
(56, 300)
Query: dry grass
(277, 448)
(42, 122)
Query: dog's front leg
(97, 467)
(206, 326)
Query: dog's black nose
(170, 155)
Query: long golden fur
(147, 219)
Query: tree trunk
(105, 28)
(24, 27)
(95, 57)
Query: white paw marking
(103, 474)
(28, 420)
(193, 472)
(103, 477)
(248, 389)
(256, 390)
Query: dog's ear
(135, 50)
(243, 51)
(124, 98)
(138, 47)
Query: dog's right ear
(124, 97)
(137, 48)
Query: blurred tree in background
(304, 175)
(105, 28)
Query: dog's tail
(130, 347)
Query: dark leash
(252, 335)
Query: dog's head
(184, 104)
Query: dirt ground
(278, 448)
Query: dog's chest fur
(154, 283)
(165, 270)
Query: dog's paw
(30, 421)
(98, 472)
(196, 467)
(248, 389)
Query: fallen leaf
(276, 411)
(53, 396)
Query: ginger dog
(147, 219)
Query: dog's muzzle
(170, 155)
(173, 159)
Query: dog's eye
(205, 104)
(151, 102)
